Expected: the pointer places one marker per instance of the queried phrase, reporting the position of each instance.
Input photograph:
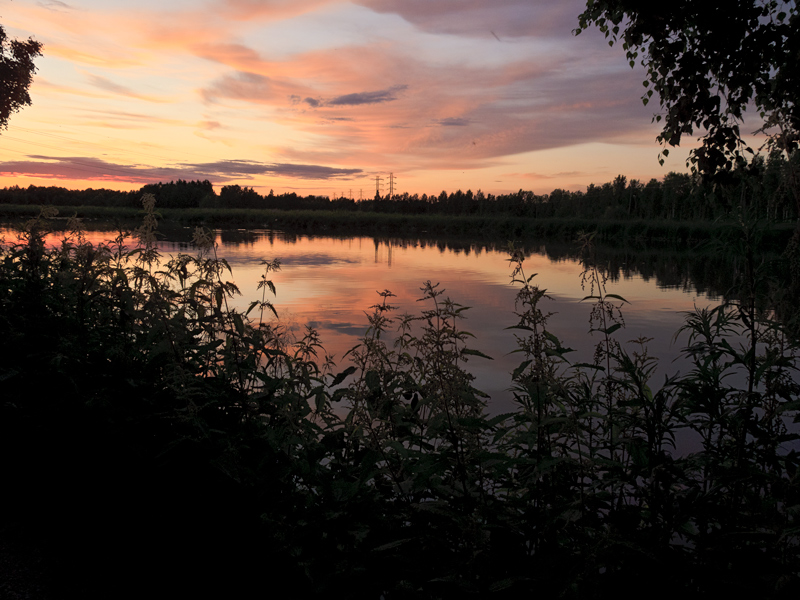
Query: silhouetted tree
(707, 61)
(180, 194)
(16, 73)
(235, 196)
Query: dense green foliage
(141, 412)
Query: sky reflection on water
(330, 283)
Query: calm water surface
(331, 283)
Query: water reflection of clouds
(317, 260)
(332, 282)
(351, 329)
(340, 277)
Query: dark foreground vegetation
(157, 442)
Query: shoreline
(616, 233)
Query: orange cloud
(111, 58)
(42, 84)
(121, 90)
(268, 9)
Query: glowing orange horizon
(323, 96)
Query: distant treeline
(761, 186)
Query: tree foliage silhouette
(708, 61)
(16, 74)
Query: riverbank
(479, 228)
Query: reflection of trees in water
(690, 271)
(718, 274)
(695, 270)
(698, 270)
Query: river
(331, 283)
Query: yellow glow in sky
(322, 96)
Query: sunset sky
(322, 96)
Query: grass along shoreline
(478, 227)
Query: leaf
(271, 308)
(610, 330)
(471, 352)
(648, 393)
(499, 419)
(341, 376)
(588, 366)
(373, 381)
(519, 370)
(238, 323)
(617, 297)
(391, 545)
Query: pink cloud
(267, 9)
(235, 55)
(224, 171)
(120, 90)
(102, 57)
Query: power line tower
(391, 185)
(378, 185)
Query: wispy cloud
(86, 168)
(236, 55)
(54, 5)
(43, 85)
(357, 99)
(267, 9)
(237, 168)
(250, 87)
(312, 171)
(546, 176)
(453, 122)
(477, 18)
(115, 88)
(100, 57)
(225, 171)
